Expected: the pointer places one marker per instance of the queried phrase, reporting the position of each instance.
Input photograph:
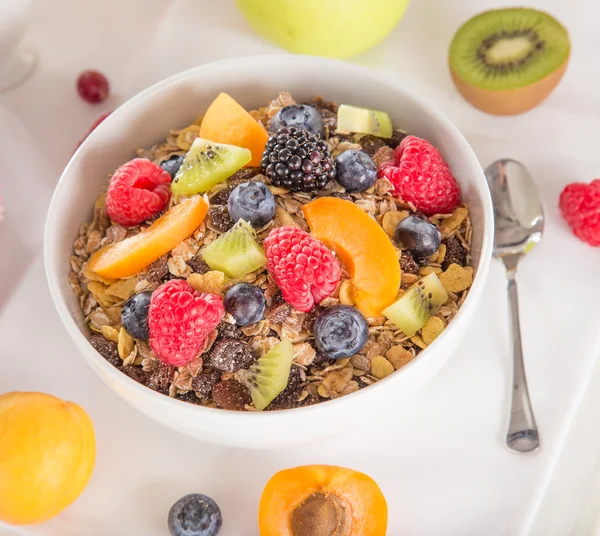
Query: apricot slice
(322, 500)
(364, 248)
(226, 121)
(130, 256)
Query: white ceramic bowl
(176, 102)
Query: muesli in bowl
(275, 258)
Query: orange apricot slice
(130, 256)
(322, 500)
(364, 248)
(226, 121)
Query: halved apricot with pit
(322, 500)
(130, 256)
(364, 248)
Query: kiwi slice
(414, 307)
(355, 119)
(208, 163)
(507, 61)
(236, 253)
(268, 376)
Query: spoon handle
(522, 433)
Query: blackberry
(297, 160)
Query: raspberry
(92, 86)
(137, 191)
(580, 206)
(421, 177)
(305, 270)
(180, 318)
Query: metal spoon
(519, 224)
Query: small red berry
(580, 206)
(92, 128)
(92, 86)
(305, 270)
(137, 191)
(421, 177)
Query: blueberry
(420, 237)
(195, 515)
(172, 165)
(134, 315)
(340, 331)
(299, 115)
(246, 303)
(253, 202)
(356, 171)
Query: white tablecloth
(441, 461)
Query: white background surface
(441, 461)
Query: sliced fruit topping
(304, 269)
(340, 331)
(208, 163)
(226, 121)
(420, 237)
(355, 119)
(356, 171)
(253, 202)
(236, 253)
(230, 355)
(172, 164)
(134, 315)
(322, 500)
(269, 375)
(130, 256)
(421, 176)
(302, 116)
(297, 160)
(414, 307)
(364, 248)
(180, 319)
(246, 303)
(195, 515)
(137, 191)
(506, 61)
(580, 207)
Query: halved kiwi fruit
(507, 61)
(411, 311)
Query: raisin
(203, 383)
(455, 253)
(396, 139)
(231, 394)
(137, 373)
(230, 355)
(311, 317)
(408, 263)
(107, 349)
(219, 218)
(222, 196)
(198, 266)
(288, 398)
(157, 270)
(189, 397)
(161, 378)
(278, 314)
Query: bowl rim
(82, 343)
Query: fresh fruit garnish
(180, 319)
(226, 121)
(419, 236)
(172, 164)
(130, 256)
(580, 207)
(253, 202)
(297, 160)
(340, 331)
(230, 355)
(322, 500)
(195, 515)
(303, 116)
(356, 171)
(355, 119)
(507, 61)
(421, 176)
(269, 375)
(137, 191)
(304, 269)
(92, 86)
(134, 315)
(246, 303)
(235, 253)
(47, 455)
(414, 307)
(364, 248)
(92, 128)
(208, 163)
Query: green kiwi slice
(364, 120)
(208, 163)
(268, 376)
(414, 307)
(235, 253)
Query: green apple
(333, 28)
